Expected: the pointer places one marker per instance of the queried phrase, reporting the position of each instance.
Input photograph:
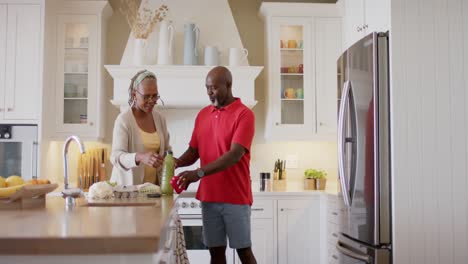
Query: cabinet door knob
(91, 123)
(282, 209)
(277, 123)
(321, 124)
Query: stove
(187, 205)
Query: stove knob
(193, 205)
(6, 135)
(184, 205)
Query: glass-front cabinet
(80, 48)
(76, 82)
(292, 97)
(303, 42)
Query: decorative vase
(166, 34)
(309, 184)
(139, 52)
(191, 35)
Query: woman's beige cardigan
(126, 142)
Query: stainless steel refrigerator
(364, 152)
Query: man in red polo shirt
(221, 138)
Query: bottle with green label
(167, 173)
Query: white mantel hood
(183, 86)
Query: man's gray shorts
(223, 219)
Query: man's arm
(189, 157)
(225, 161)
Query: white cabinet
(79, 81)
(20, 62)
(299, 231)
(303, 43)
(328, 42)
(363, 17)
(262, 231)
(333, 215)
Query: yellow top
(151, 142)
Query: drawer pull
(334, 213)
(257, 209)
(334, 234)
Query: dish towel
(174, 250)
(180, 253)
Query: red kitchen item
(176, 187)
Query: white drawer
(262, 209)
(333, 258)
(332, 239)
(332, 215)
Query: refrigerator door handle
(351, 252)
(344, 186)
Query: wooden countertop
(83, 229)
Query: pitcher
(166, 34)
(191, 34)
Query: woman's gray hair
(136, 80)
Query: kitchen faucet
(70, 195)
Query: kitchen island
(110, 234)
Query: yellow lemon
(2, 182)
(14, 180)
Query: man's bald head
(221, 74)
(218, 86)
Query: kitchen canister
(166, 34)
(191, 35)
(238, 56)
(211, 56)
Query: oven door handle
(34, 159)
(190, 217)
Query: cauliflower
(101, 190)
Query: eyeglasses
(153, 97)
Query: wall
(429, 61)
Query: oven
(18, 151)
(189, 211)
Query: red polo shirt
(214, 132)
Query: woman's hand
(149, 158)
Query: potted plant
(321, 180)
(314, 179)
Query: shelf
(286, 49)
(78, 48)
(75, 98)
(76, 73)
(292, 74)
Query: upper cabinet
(303, 43)
(79, 73)
(20, 62)
(362, 17)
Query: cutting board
(30, 196)
(139, 201)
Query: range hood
(183, 86)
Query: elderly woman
(140, 136)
